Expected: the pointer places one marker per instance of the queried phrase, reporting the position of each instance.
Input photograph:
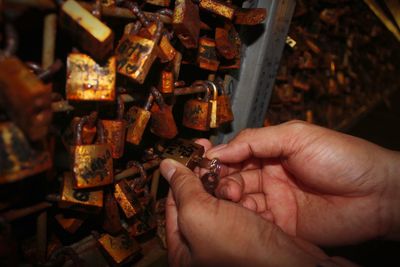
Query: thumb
(185, 185)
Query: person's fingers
(259, 199)
(205, 143)
(273, 141)
(185, 185)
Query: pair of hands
(284, 188)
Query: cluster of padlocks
(121, 82)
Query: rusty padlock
(92, 164)
(197, 112)
(127, 199)
(83, 200)
(166, 51)
(119, 249)
(137, 119)
(89, 81)
(226, 38)
(249, 16)
(186, 22)
(167, 82)
(18, 159)
(136, 54)
(207, 54)
(219, 8)
(224, 108)
(111, 220)
(139, 185)
(89, 130)
(162, 119)
(89, 32)
(69, 223)
(115, 131)
(27, 98)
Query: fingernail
(216, 149)
(167, 168)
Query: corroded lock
(207, 54)
(111, 220)
(144, 223)
(219, 8)
(27, 98)
(167, 82)
(89, 130)
(139, 185)
(79, 199)
(92, 164)
(93, 36)
(120, 249)
(162, 119)
(249, 16)
(197, 112)
(136, 54)
(214, 123)
(69, 223)
(166, 51)
(184, 151)
(115, 131)
(186, 22)
(224, 109)
(226, 39)
(127, 199)
(89, 81)
(137, 121)
(18, 159)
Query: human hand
(205, 231)
(326, 187)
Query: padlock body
(250, 16)
(166, 51)
(207, 54)
(127, 199)
(224, 109)
(225, 43)
(163, 122)
(184, 151)
(120, 249)
(167, 82)
(164, 3)
(27, 98)
(135, 56)
(69, 224)
(89, 32)
(218, 7)
(111, 217)
(79, 199)
(92, 166)
(89, 81)
(196, 114)
(115, 131)
(137, 121)
(186, 22)
(18, 159)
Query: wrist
(392, 198)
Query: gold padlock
(196, 112)
(136, 54)
(224, 109)
(82, 200)
(162, 119)
(137, 121)
(207, 55)
(26, 98)
(92, 164)
(218, 8)
(186, 22)
(120, 249)
(88, 80)
(115, 131)
(18, 159)
(93, 36)
(127, 199)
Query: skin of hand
(205, 231)
(316, 184)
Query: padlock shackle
(101, 137)
(158, 97)
(92, 118)
(213, 87)
(120, 107)
(135, 9)
(142, 171)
